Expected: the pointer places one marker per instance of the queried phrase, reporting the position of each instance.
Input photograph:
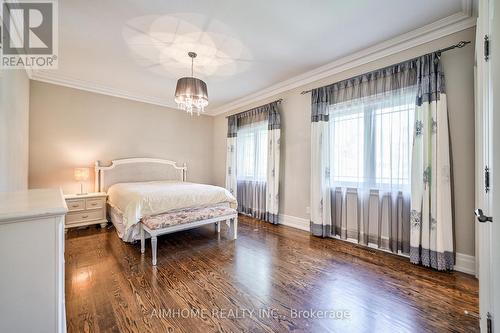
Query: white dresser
(32, 261)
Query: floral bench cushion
(186, 216)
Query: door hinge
(486, 179)
(489, 324)
(486, 48)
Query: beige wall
(73, 128)
(295, 111)
(14, 114)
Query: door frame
(495, 160)
(487, 154)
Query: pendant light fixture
(191, 93)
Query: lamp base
(81, 190)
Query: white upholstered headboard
(137, 170)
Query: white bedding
(140, 199)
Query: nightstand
(86, 209)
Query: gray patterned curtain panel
(431, 242)
(232, 126)
(273, 164)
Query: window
(371, 141)
(252, 152)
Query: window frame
(256, 129)
(369, 110)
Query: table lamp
(82, 175)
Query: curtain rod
(277, 101)
(459, 45)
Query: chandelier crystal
(191, 94)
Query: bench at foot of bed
(186, 219)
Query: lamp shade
(191, 93)
(82, 174)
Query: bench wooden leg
(217, 227)
(143, 241)
(154, 248)
(234, 227)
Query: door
(488, 163)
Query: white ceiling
(139, 48)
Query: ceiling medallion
(191, 93)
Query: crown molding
(447, 26)
(70, 82)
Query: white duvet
(141, 199)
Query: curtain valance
(268, 112)
(424, 71)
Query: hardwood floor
(272, 279)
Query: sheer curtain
(361, 134)
(370, 161)
(252, 169)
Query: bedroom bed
(150, 197)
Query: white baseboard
(295, 222)
(464, 262)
